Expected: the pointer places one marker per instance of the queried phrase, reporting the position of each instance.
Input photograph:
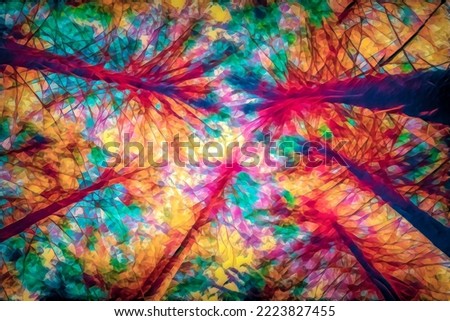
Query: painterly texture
(368, 81)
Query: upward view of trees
(365, 83)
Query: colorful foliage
(363, 215)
